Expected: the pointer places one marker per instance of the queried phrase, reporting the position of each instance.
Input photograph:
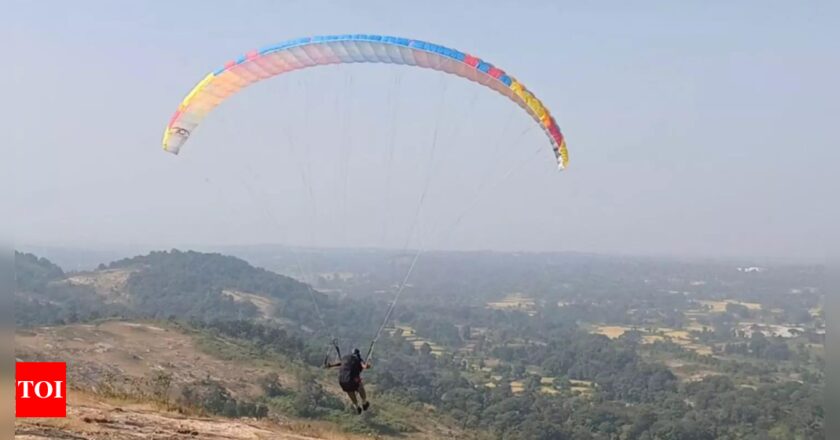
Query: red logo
(40, 389)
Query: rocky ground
(91, 418)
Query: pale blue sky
(695, 128)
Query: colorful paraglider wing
(316, 51)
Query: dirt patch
(89, 418)
(611, 331)
(516, 301)
(720, 306)
(109, 284)
(119, 356)
(263, 304)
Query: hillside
(171, 284)
(42, 295)
(34, 273)
(161, 380)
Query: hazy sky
(695, 128)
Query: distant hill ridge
(33, 272)
(161, 284)
(209, 271)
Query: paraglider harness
(334, 343)
(335, 346)
(349, 376)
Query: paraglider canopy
(301, 53)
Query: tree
(160, 383)
(739, 310)
(270, 384)
(425, 349)
(758, 343)
(310, 395)
(261, 411)
(778, 351)
(230, 409)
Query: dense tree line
(761, 347)
(713, 408)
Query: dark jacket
(351, 369)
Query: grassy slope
(111, 364)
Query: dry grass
(492, 362)
(678, 335)
(263, 304)
(130, 352)
(695, 326)
(582, 387)
(410, 335)
(110, 284)
(407, 330)
(514, 302)
(437, 350)
(650, 339)
(751, 306)
(134, 351)
(611, 331)
(715, 306)
(699, 349)
(581, 390)
(720, 306)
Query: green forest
(685, 366)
